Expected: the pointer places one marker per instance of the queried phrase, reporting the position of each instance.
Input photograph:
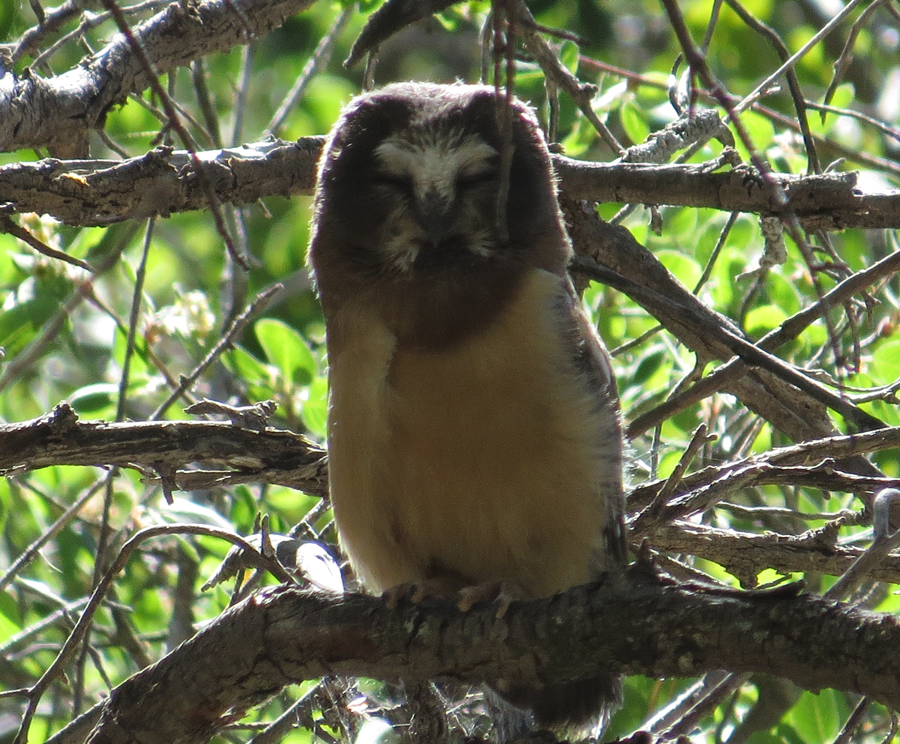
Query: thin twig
(317, 61)
(764, 86)
(100, 591)
(8, 226)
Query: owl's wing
(593, 362)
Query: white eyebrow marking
(434, 161)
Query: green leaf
(315, 408)
(885, 362)
(634, 122)
(569, 55)
(10, 615)
(816, 718)
(37, 300)
(247, 367)
(96, 401)
(684, 268)
(287, 350)
(762, 319)
(181, 510)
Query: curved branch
(633, 624)
(706, 333)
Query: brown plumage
(473, 428)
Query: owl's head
(410, 179)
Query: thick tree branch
(58, 112)
(823, 202)
(633, 624)
(164, 182)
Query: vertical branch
(504, 47)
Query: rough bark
(634, 624)
(164, 182)
(169, 450)
(59, 112)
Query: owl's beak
(436, 216)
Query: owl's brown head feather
(406, 207)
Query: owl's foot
(501, 592)
(414, 592)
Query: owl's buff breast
(481, 461)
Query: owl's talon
(503, 593)
(413, 592)
(473, 595)
(502, 606)
(393, 596)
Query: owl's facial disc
(437, 184)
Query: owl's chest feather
(476, 463)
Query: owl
(474, 435)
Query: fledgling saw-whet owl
(473, 427)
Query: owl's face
(407, 207)
(413, 170)
(439, 188)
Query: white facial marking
(482, 244)
(433, 162)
